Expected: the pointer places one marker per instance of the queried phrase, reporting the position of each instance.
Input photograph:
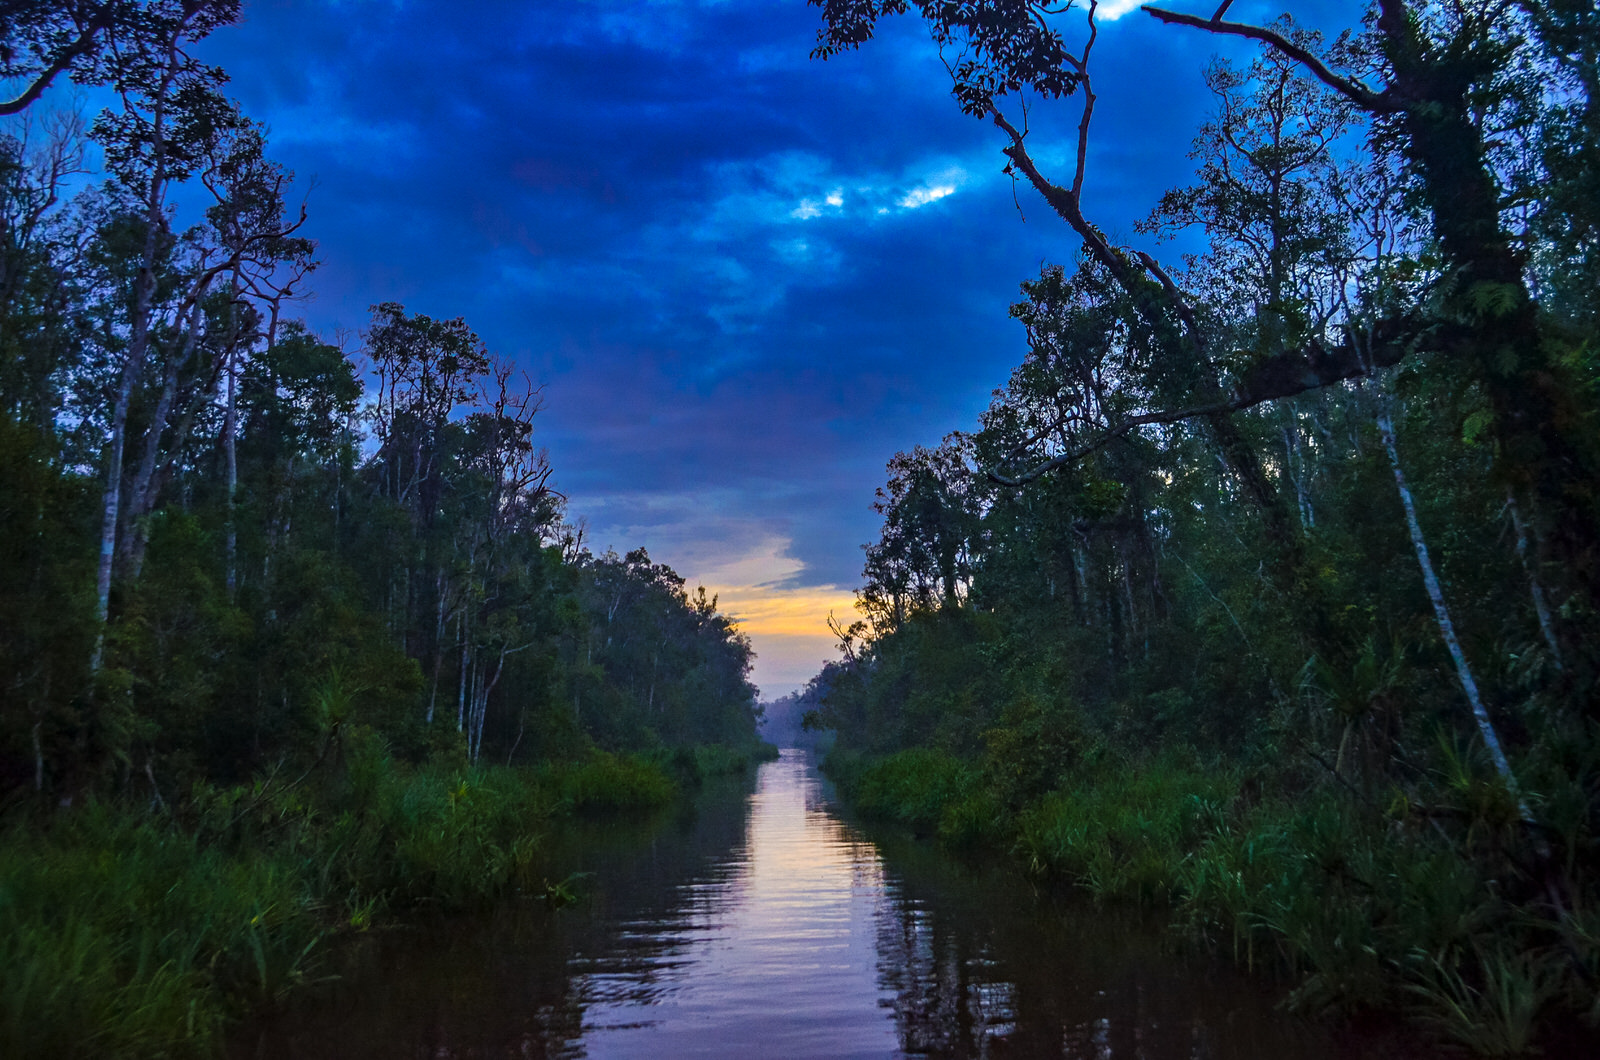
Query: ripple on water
(784, 963)
(764, 925)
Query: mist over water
(760, 923)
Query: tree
(931, 508)
(170, 108)
(1449, 72)
(1334, 295)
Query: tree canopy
(1315, 506)
(227, 538)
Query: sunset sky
(745, 278)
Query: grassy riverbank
(131, 932)
(1432, 913)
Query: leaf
(1475, 425)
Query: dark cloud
(745, 278)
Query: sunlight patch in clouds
(792, 187)
(1111, 10)
(810, 208)
(798, 612)
(933, 189)
(923, 196)
(749, 567)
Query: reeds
(1362, 908)
(126, 933)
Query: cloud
(787, 622)
(745, 278)
(1111, 10)
(936, 188)
(747, 563)
(922, 196)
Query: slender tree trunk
(1294, 466)
(111, 499)
(138, 341)
(522, 726)
(1544, 452)
(1540, 607)
(140, 488)
(38, 757)
(230, 437)
(481, 710)
(441, 622)
(111, 506)
(1441, 613)
(145, 487)
(1078, 584)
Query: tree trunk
(138, 341)
(1542, 451)
(230, 435)
(1441, 613)
(1540, 607)
(145, 488)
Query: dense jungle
(1265, 589)
(294, 637)
(1264, 597)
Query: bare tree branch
(1284, 375)
(67, 56)
(1348, 87)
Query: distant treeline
(1270, 586)
(225, 539)
(783, 720)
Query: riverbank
(1430, 916)
(131, 932)
(754, 920)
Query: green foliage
(126, 933)
(912, 787)
(1123, 831)
(126, 937)
(46, 615)
(1364, 911)
(1191, 656)
(279, 523)
(330, 600)
(1138, 701)
(694, 765)
(605, 783)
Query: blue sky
(745, 278)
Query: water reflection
(771, 952)
(760, 924)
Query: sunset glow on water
(761, 923)
(774, 954)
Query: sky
(744, 278)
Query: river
(760, 922)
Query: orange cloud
(787, 612)
(787, 624)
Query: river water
(760, 923)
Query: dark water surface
(760, 924)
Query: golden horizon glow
(801, 612)
(787, 624)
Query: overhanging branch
(1284, 375)
(68, 55)
(1348, 87)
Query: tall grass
(1123, 834)
(128, 937)
(1363, 909)
(605, 783)
(130, 934)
